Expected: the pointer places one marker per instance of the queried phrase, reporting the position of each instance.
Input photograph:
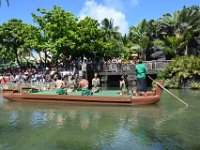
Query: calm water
(166, 125)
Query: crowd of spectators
(40, 73)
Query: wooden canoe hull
(99, 100)
(88, 100)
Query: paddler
(83, 85)
(60, 84)
(95, 84)
(123, 86)
(71, 84)
(140, 70)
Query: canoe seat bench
(28, 90)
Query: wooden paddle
(168, 91)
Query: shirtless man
(59, 86)
(83, 84)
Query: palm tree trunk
(16, 55)
(186, 50)
(45, 58)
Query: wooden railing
(152, 67)
(156, 65)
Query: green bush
(195, 85)
(179, 69)
(161, 75)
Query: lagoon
(165, 125)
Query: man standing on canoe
(60, 84)
(141, 78)
(83, 84)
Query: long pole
(169, 92)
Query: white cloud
(99, 12)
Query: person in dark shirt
(141, 78)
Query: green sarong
(95, 87)
(61, 91)
(86, 91)
(124, 91)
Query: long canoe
(98, 99)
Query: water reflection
(105, 126)
(170, 116)
(166, 125)
(37, 118)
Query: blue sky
(124, 12)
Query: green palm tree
(111, 30)
(112, 36)
(189, 24)
(139, 36)
(127, 44)
(167, 25)
(184, 23)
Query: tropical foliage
(58, 34)
(195, 85)
(180, 69)
(13, 33)
(113, 37)
(179, 31)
